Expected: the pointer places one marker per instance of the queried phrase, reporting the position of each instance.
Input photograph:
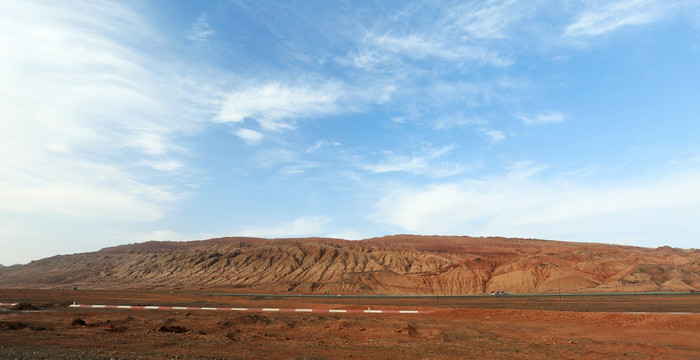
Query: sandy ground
(455, 329)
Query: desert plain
(660, 326)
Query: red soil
(58, 332)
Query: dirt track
(449, 332)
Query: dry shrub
(173, 329)
(12, 325)
(24, 307)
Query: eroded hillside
(401, 264)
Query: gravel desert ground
(602, 327)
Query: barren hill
(402, 264)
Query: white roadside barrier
(152, 307)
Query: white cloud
(423, 164)
(387, 52)
(544, 118)
(151, 143)
(496, 136)
(276, 106)
(449, 122)
(606, 16)
(489, 20)
(135, 204)
(297, 168)
(299, 227)
(252, 137)
(272, 157)
(417, 47)
(201, 30)
(80, 103)
(518, 205)
(286, 162)
(462, 35)
(320, 144)
(164, 165)
(523, 170)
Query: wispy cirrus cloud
(83, 111)
(456, 35)
(384, 51)
(424, 163)
(455, 121)
(320, 144)
(167, 165)
(486, 20)
(284, 161)
(606, 16)
(523, 170)
(543, 118)
(200, 30)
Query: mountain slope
(403, 264)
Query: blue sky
(124, 122)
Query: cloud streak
(277, 107)
(380, 51)
(608, 16)
(422, 164)
(544, 118)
